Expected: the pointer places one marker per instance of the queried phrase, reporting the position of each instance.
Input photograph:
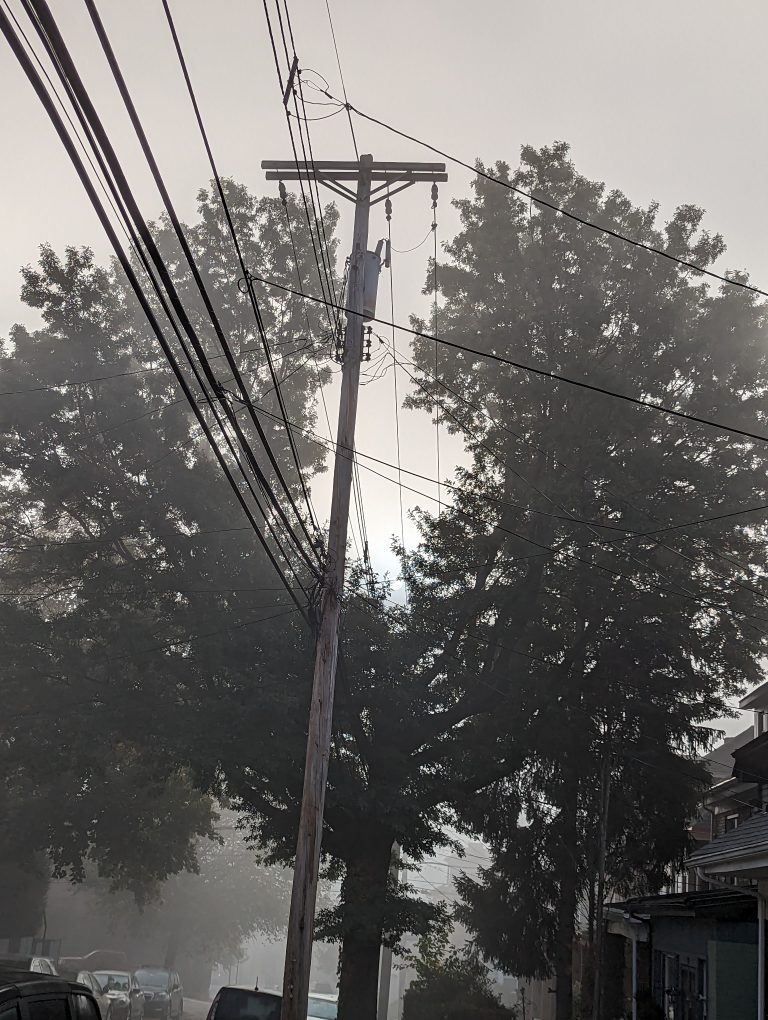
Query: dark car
(29, 995)
(38, 964)
(163, 994)
(233, 1003)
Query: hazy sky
(664, 100)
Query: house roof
(757, 699)
(745, 841)
(751, 760)
(719, 903)
(717, 760)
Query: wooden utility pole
(375, 182)
(385, 960)
(605, 801)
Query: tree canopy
(563, 609)
(572, 570)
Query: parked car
(84, 977)
(163, 994)
(322, 1007)
(232, 1003)
(123, 990)
(36, 964)
(36, 996)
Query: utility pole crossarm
(395, 176)
(333, 165)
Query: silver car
(123, 991)
(84, 977)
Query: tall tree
(126, 565)
(603, 640)
(525, 632)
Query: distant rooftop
(720, 759)
(756, 699)
(747, 840)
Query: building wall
(732, 992)
(698, 961)
(686, 937)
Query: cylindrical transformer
(371, 270)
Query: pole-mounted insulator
(283, 193)
(434, 196)
(388, 208)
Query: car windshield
(241, 1004)
(322, 1009)
(113, 982)
(152, 977)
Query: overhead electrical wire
(241, 260)
(407, 251)
(341, 77)
(549, 452)
(48, 32)
(566, 552)
(388, 211)
(547, 204)
(332, 316)
(567, 515)
(634, 689)
(298, 95)
(325, 275)
(537, 370)
(191, 261)
(50, 109)
(436, 406)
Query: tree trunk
(363, 893)
(171, 949)
(566, 911)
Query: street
(196, 1009)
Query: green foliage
(533, 643)
(450, 984)
(213, 910)
(584, 637)
(131, 588)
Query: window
(153, 977)
(240, 1004)
(48, 1009)
(86, 1008)
(322, 1009)
(731, 821)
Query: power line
(434, 330)
(463, 426)
(157, 176)
(536, 370)
(341, 76)
(388, 211)
(554, 550)
(568, 516)
(634, 689)
(60, 128)
(86, 113)
(552, 206)
(321, 271)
